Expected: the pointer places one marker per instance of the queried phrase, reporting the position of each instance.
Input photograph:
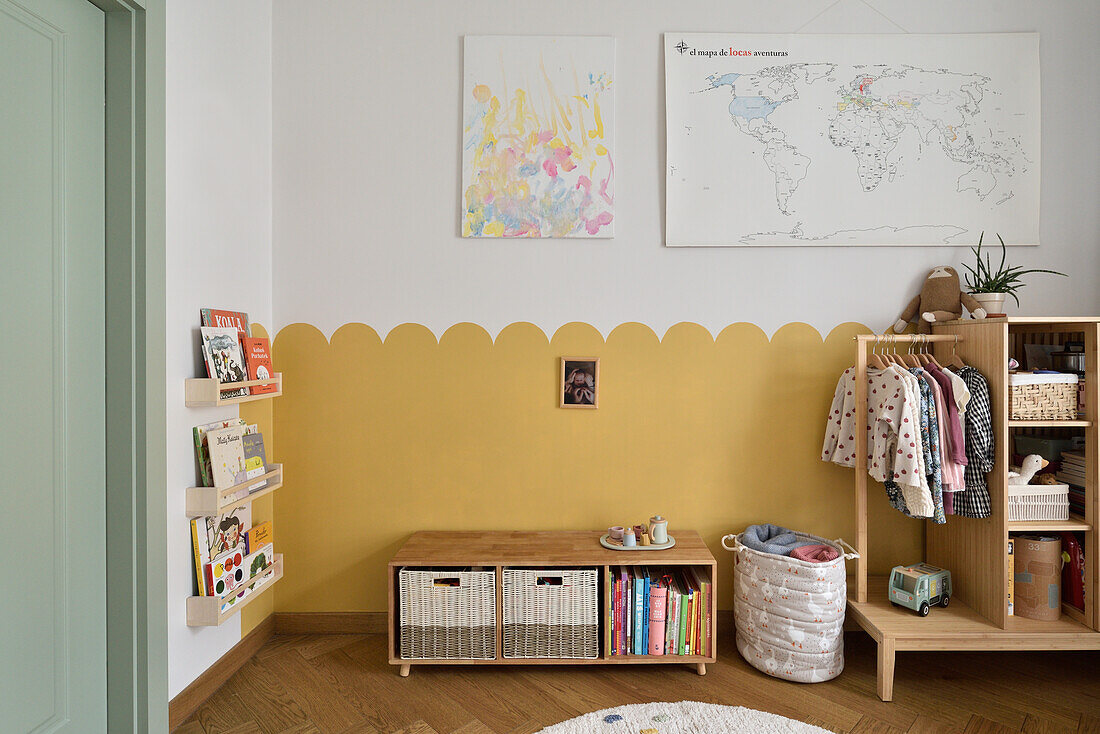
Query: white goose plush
(1032, 463)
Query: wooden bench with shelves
(547, 549)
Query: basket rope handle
(737, 547)
(852, 552)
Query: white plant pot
(991, 302)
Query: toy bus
(919, 586)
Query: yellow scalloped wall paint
(384, 437)
(260, 412)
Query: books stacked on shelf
(230, 453)
(232, 354)
(230, 554)
(1073, 474)
(660, 611)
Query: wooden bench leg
(404, 672)
(886, 669)
(701, 668)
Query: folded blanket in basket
(818, 553)
(770, 538)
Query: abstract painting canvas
(538, 133)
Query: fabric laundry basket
(789, 614)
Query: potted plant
(990, 287)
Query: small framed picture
(580, 382)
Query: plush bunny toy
(940, 299)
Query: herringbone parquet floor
(341, 684)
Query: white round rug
(685, 717)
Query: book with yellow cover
(259, 535)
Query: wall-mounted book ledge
(206, 392)
(207, 501)
(206, 611)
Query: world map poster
(851, 139)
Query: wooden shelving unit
(206, 392)
(975, 549)
(201, 392)
(206, 501)
(205, 611)
(562, 549)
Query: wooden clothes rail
(862, 340)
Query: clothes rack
(974, 549)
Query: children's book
(685, 602)
(214, 535)
(236, 320)
(226, 572)
(202, 450)
(257, 354)
(261, 560)
(658, 601)
(258, 535)
(623, 596)
(1011, 577)
(645, 611)
(224, 359)
(255, 460)
(639, 615)
(227, 455)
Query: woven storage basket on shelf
(1043, 401)
(1038, 502)
(551, 613)
(448, 614)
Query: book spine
(707, 626)
(200, 581)
(1011, 576)
(670, 620)
(658, 601)
(637, 648)
(615, 623)
(645, 615)
(628, 613)
(674, 647)
(680, 627)
(692, 605)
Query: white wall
(219, 248)
(367, 100)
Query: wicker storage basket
(1038, 502)
(448, 614)
(551, 613)
(1052, 400)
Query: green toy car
(919, 586)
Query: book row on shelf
(660, 611)
(232, 354)
(233, 558)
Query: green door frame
(137, 595)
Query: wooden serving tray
(607, 542)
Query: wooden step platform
(958, 627)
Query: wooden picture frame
(569, 366)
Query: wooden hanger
(876, 360)
(894, 359)
(955, 362)
(922, 357)
(932, 358)
(910, 358)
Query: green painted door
(52, 517)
